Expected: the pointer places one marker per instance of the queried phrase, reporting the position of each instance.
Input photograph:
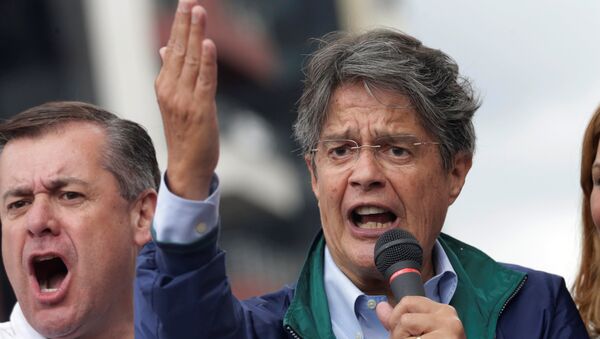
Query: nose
(367, 174)
(40, 220)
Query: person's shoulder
(542, 306)
(539, 279)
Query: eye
(395, 151)
(398, 152)
(15, 205)
(339, 150)
(596, 177)
(70, 195)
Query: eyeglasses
(394, 151)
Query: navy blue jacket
(183, 292)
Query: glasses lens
(397, 150)
(338, 151)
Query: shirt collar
(342, 294)
(21, 326)
(441, 287)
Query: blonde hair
(586, 289)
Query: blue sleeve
(182, 291)
(567, 322)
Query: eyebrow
(346, 136)
(54, 185)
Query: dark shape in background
(262, 45)
(44, 58)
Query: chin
(364, 262)
(56, 327)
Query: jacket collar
(308, 314)
(484, 288)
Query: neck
(121, 330)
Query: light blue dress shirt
(183, 221)
(353, 313)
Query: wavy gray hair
(390, 60)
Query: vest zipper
(511, 297)
(293, 333)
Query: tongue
(55, 281)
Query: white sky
(536, 65)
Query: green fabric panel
(308, 313)
(484, 286)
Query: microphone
(399, 257)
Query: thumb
(162, 51)
(384, 312)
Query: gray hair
(390, 60)
(128, 154)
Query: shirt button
(201, 228)
(371, 304)
(358, 335)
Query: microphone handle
(408, 283)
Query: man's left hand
(420, 317)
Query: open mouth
(370, 217)
(50, 271)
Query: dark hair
(586, 288)
(390, 60)
(129, 153)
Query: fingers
(415, 304)
(162, 51)
(185, 89)
(193, 55)
(206, 85)
(417, 316)
(177, 45)
(384, 312)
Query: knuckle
(192, 60)
(176, 47)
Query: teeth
(45, 258)
(44, 288)
(49, 290)
(372, 224)
(368, 210)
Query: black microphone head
(396, 246)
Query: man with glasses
(385, 126)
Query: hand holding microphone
(399, 258)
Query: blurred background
(536, 65)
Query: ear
(458, 173)
(313, 175)
(142, 214)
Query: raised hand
(186, 88)
(419, 317)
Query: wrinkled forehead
(68, 149)
(357, 110)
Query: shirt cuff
(182, 221)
